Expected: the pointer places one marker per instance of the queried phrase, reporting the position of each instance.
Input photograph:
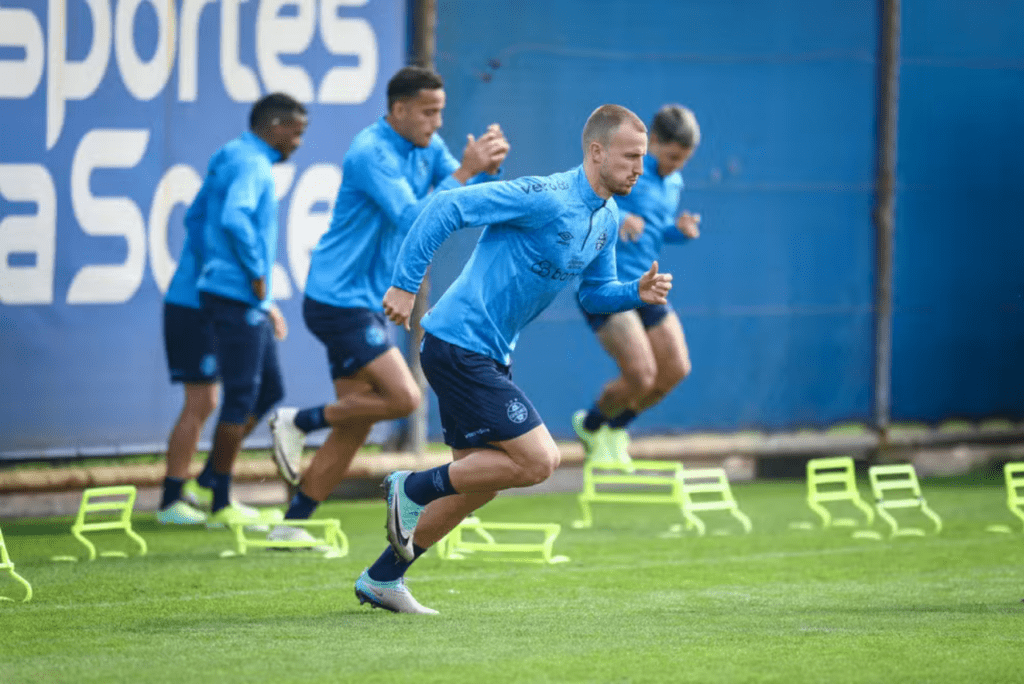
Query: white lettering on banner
(350, 36)
(239, 80)
(73, 80)
(318, 185)
(188, 54)
(145, 80)
(28, 234)
(277, 35)
(19, 28)
(179, 185)
(108, 149)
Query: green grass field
(778, 605)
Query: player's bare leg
(672, 359)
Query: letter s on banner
(108, 149)
(28, 234)
(178, 186)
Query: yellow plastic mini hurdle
(662, 480)
(830, 480)
(886, 479)
(697, 484)
(331, 536)
(121, 508)
(7, 564)
(456, 546)
(1015, 488)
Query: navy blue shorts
(353, 336)
(478, 401)
(246, 356)
(188, 342)
(650, 315)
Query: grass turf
(778, 605)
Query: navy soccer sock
(622, 420)
(221, 491)
(206, 477)
(301, 507)
(390, 567)
(427, 485)
(310, 419)
(172, 491)
(594, 420)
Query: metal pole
(424, 13)
(882, 214)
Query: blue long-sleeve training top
(240, 228)
(384, 187)
(655, 199)
(542, 233)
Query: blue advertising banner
(111, 109)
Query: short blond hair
(607, 119)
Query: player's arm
(238, 217)
(476, 205)
(600, 290)
(377, 173)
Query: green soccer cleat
(616, 442)
(253, 519)
(594, 442)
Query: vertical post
(882, 214)
(424, 27)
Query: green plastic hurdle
(697, 483)
(666, 476)
(123, 510)
(832, 479)
(886, 479)
(7, 564)
(331, 537)
(1014, 473)
(456, 546)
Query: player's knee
(542, 466)
(673, 373)
(405, 401)
(641, 377)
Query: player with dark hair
(189, 345)
(388, 172)
(541, 233)
(232, 226)
(647, 343)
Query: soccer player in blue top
(192, 362)
(388, 172)
(647, 344)
(239, 248)
(541, 233)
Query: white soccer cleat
(393, 596)
(403, 514)
(594, 442)
(295, 534)
(180, 513)
(289, 441)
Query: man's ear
(595, 151)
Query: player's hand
(689, 225)
(485, 153)
(277, 320)
(398, 306)
(259, 288)
(632, 228)
(654, 286)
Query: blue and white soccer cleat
(403, 514)
(393, 596)
(180, 513)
